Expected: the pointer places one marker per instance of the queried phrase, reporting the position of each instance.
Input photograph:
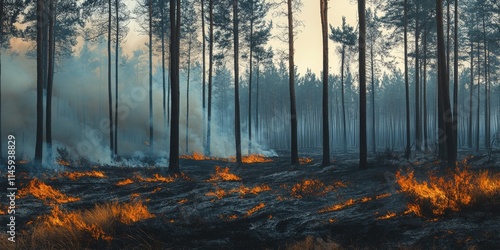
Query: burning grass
(222, 174)
(350, 202)
(255, 209)
(156, 178)
(387, 216)
(311, 187)
(305, 160)
(197, 157)
(73, 229)
(76, 175)
(124, 182)
(440, 195)
(242, 191)
(44, 192)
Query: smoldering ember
(256, 124)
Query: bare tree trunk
(455, 81)
(116, 74)
(426, 144)
(486, 120)
(363, 148)
(250, 87)
(39, 84)
(175, 26)
(150, 45)
(237, 129)
(344, 130)
(50, 78)
(110, 96)
(444, 98)
(326, 126)
(408, 146)
(478, 100)
(204, 63)
(374, 145)
(418, 124)
(210, 72)
(187, 92)
(291, 73)
(471, 90)
(164, 93)
(1, 46)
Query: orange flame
(63, 162)
(156, 178)
(222, 174)
(43, 191)
(255, 209)
(440, 195)
(197, 156)
(347, 203)
(387, 216)
(305, 160)
(76, 175)
(124, 182)
(243, 190)
(219, 193)
(311, 187)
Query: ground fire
(76, 175)
(222, 174)
(44, 192)
(439, 195)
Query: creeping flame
(311, 187)
(197, 156)
(243, 190)
(45, 192)
(63, 163)
(255, 209)
(124, 182)
(440, 195)
(347, 203)
(76, 175)
(305, 160)
(156, 178)
(222, 174)
(387, 216)
(219, 193)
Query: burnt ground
(186, 218)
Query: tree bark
(363, 149)
(175, 26)
(471, 90)
(151, 145)
(116, 74)
(408, 146)
(210, 72)
(326, 126)
(50, 78)
(110, 97)
(418, 123)
(39, 85)
(455, 81)
(237, 129)
(291, 81)
(444, 98)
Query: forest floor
(253, 206)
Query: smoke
(80, 117)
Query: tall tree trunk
(407, 95)
(210, 72)
(344, 130)
(374, 144)
(250, 62)
(426, 144)
(187, 91)
(471, 90)
(39, 83)
(110, 95)
(363, 148)
(117, 42)
(164, 93)
(237, 129)
(257, 124)
(150, 45)
(478, 100)
(326, 126)
(50, 78)
(291, 78)
(418, 123)
(455, 81)
(1, 46)
(203, 81)
(175, 26)
(486, 127)
(444, 98)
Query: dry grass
(312, 243)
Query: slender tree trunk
(486, 127)
(150, 45)
(408, 146)
(444, 98)
(210, 72)
(110, 95)
(455, 81)
(175, 26)
(363, 148)
(418, 123)
(50, 78)
(291, 73)
(164, 93)
(326, 126)
(426, 139)
(344, 130)
(1, 46)
(117, 42)
(203, 81)
(187, 92)
(257, 124)
(237, 124)
(250, 88)
(478, 100)
(374, 144)
(471, 90)
(40, 83)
